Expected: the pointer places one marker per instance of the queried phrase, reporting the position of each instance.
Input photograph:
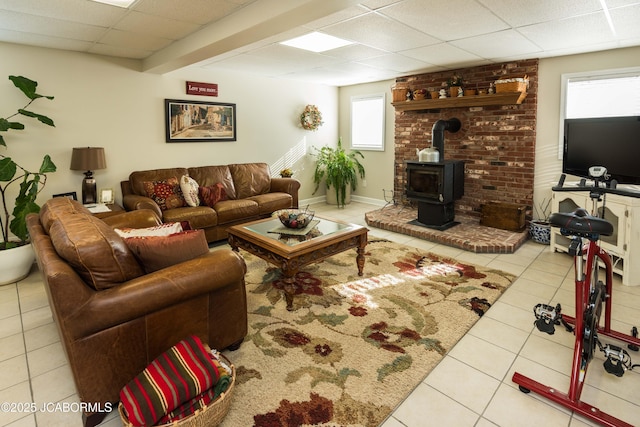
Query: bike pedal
(634, 333)
(618, 360)
(546, 318)
(614, 367)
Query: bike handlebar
(596, 188)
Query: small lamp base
(89, 193)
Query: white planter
(540, 232)
(332, 196)
(15, 264)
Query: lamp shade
(88, 158)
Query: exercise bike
(592, 296)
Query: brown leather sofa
(113, 319)
(251, 194)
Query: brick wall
(497, 143)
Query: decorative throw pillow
(158, 252)
(189, 188)
(166, 193)
(157, 230)
(213, 194)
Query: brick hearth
(468, 235)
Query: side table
(114, 209)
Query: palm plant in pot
(338, 169)
(30, 185)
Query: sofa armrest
(155, 291)
(141, 218)
(286, 185)
(133, 202)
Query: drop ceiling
(390, 38)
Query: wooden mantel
(504, 98)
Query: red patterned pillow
(167, 193)
(212, 194)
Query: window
(608, 93)
(367, 122)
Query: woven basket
(210, 416)
(517, 85)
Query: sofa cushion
(212, 194)
(197, 217)
(189, 188)
(207, 176)
(271, 202)
(94, 250)
(234, 210)
(158, 252)
(250, 179)
(166, 193)
(137, 179)
(52, 209)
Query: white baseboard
(354, 197)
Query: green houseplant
(30, 183)
(338, 169)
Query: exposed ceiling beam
(251, 24)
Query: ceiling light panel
(120, 3)
(316, 42)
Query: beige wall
(378, 164)
(107, 102)
(548, 167)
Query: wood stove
(435, 186)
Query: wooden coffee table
(292, 252)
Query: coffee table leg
(289, 287)
(360, 257)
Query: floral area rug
(354, 347)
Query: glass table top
(319, 227)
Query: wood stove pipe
(437, 133)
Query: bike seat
(580, 223)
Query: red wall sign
(207, 89)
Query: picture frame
(71, 195)
(199, 121)
(107, 196)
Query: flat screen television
(612, 142)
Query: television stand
(623, 213)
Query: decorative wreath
(311, 118)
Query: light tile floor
(471, 386)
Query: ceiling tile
(31, 39)
(134, 41)
(566, 33)
(518, 13)
(119, 51)
(396, 62)
(501, 44)
(355, 52)
(443, 55)
(199, 12)
(79, 11)
(626, 21)
(334, 18)
(450, 20)
(136, 22)
(49, 26)
(380, 32)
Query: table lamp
(88, 159)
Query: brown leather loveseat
(112, 317)
(249, 193)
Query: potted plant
(339, 170)
(30, 185)
(454, 83)
(540, 229)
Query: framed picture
(106, 196)
(199, 121)
(71, 195)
